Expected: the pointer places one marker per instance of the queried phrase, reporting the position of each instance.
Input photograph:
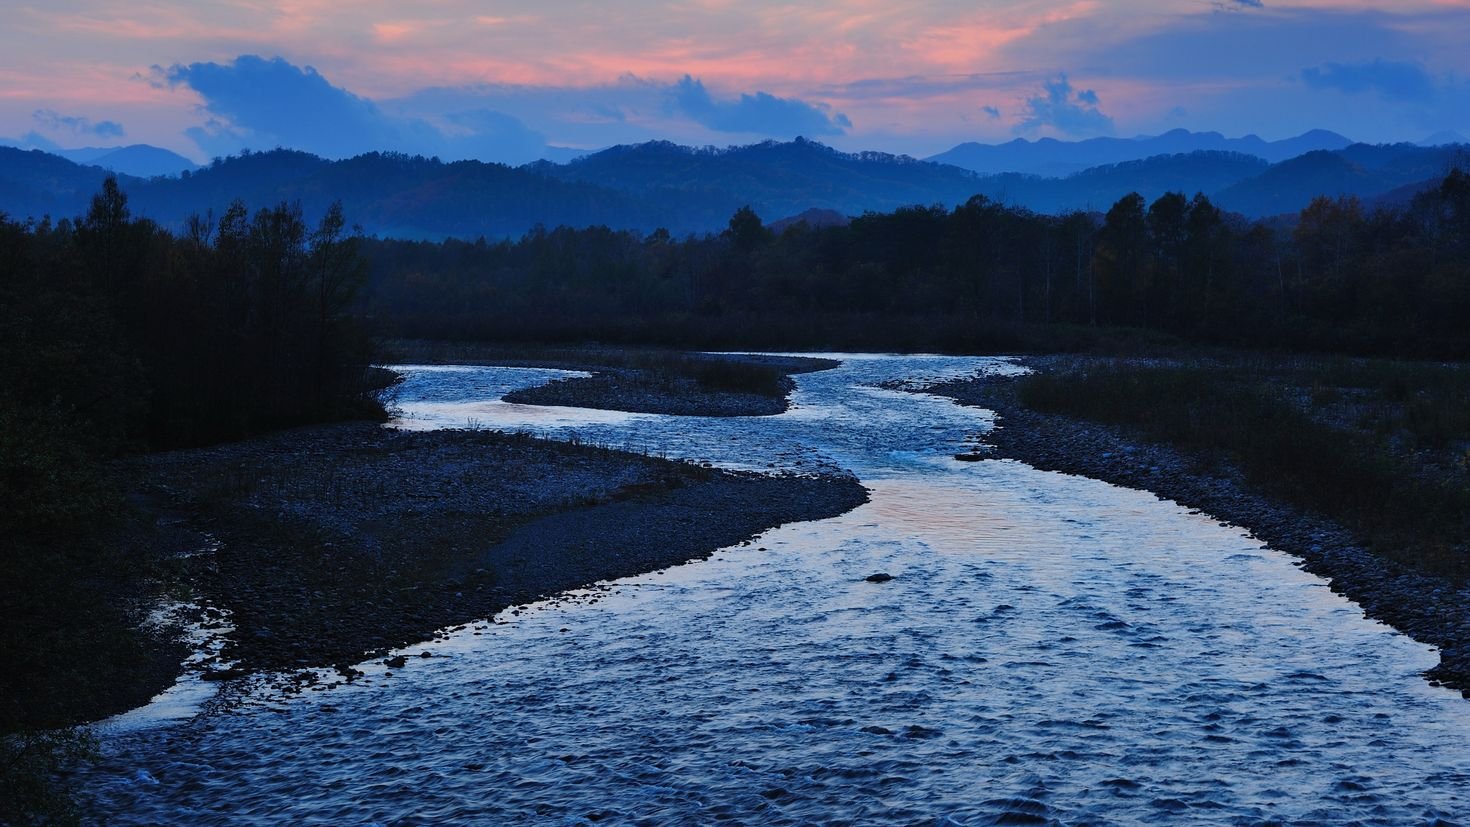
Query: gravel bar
(329, 545)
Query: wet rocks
(879, 577)
(336, 543)
(920, 733)
(673, 389)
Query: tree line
(1338, 276)
(236, 324)
(119, 335)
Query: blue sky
(507, 80)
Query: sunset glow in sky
(505, 80)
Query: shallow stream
(1051, 649)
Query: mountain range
(139, 160)
(1053, 158)
(695, 190)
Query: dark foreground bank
(1429, 607)
(328, 545)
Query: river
(1051, 649)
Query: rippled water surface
(1051, 650)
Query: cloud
(75, 125)
(1064, 110)
(1242, 72)
(218, 139)
(992, 112)
(1399, 91)
(261, 103)
(592, 116)
(1237, 49)
(914, 87)
(760, 113)
(1394, 80)
(275, 102)
(32, 140)
(630, 110)
(487, 133)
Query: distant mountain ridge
(1444, 137)
(1053, 158)
(141, 160)
(696, 190)
(1364, 171)
(1098, 188)
(778, 178)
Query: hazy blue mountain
(35, 184)
(1310, 141)
(685, 190)
(408, 196)
(565, 154)
(1100, 187)
(774, 178)
(141, 160)
(812, 218)
(1444, 138)
(1362, 170)
(1400, 197)
(1053, 158)
(386, 193)
(80, 155)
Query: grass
(1378, 446)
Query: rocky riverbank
(326, 545)
(642, 391)
(1430, 609)
(638, 380)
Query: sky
(514, 81)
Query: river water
(1051, 649)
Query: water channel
(1051, 649)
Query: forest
(123, 336)
(1337, 277)
(120, 336)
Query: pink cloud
(384, 49)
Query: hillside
(388, 194)
(775, 178)
(1053, 158)
(692, 190)
(1362, 170)
(1099, 187)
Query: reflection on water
(462, 396)
(1051, 649)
